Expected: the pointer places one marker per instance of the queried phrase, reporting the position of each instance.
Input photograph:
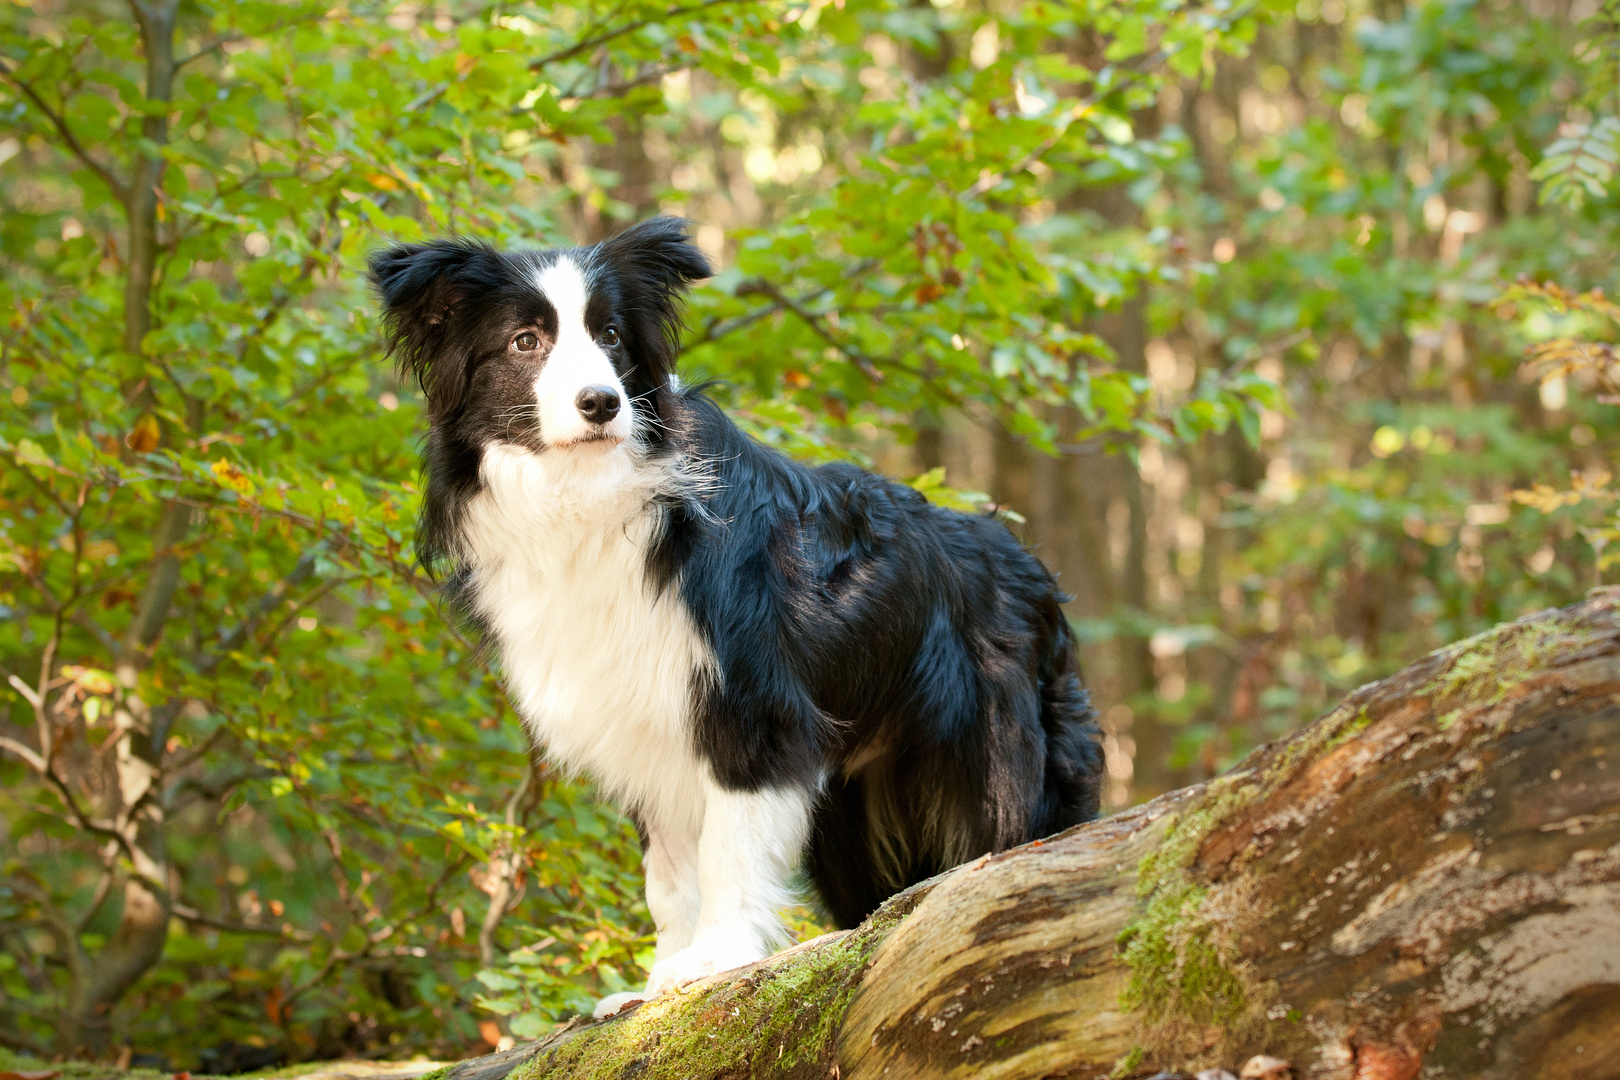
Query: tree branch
(84, 820)
(103, 887)
(299, 574)
(231, 39)
(25, 690)
(629, 28)
(152, 610)
(27, 753)
(718, 329)
(610, 89)
(59, 122)
(197, 918)
(504, 864)
(816, 322)
(24, 1044)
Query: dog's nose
(598, 404)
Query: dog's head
(555, 351)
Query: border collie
(765, 663)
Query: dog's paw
(695, 962)
(614, 1004)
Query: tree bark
(143, 925)
(1426, 880)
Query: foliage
(1590, 364)
(260, 789)
(1580, 165)
(1363, 183)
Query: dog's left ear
(657, 261)
(660, 252)
(424, 289)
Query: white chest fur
(598, 665)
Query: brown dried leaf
(143, 437)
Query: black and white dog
(763, 662)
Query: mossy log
(1423, 882)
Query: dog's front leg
(670, 864)
(669, 860)
(750, 844)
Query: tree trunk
(1425, 880)
(143, 925)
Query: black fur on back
(915, 656)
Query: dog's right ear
(422, 288)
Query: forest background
(1215, 303)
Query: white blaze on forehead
(576, 360)
(564, 284)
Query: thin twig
(192, 915)
(197, 753)
(629, 28)
(25, 690)
(720, 328)
(27, 753)
(504, 863)
(26, 1045)
(300, 573)
(95, 629)
(103, 887)
(613, 88)
(60, 123)
(865, 363)
(231, 39)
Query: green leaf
(29, 452)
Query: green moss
(1321, 738)
(1179, 974)
(1482, 670)
(1477, 675)
(780, 1021)
(1180, 977)
(75, 1070)
(292, 1072)
(437, 1074)
(1186, 832)
(1128, 1064)
(790, 1013)
(1177, 970)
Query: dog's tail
(1074, 753)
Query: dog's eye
(610, 336)
(526, 342)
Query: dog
(768, 665)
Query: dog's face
(557, 352)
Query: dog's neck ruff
(598, 661)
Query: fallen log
(1426, 880)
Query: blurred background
(1277, 329)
